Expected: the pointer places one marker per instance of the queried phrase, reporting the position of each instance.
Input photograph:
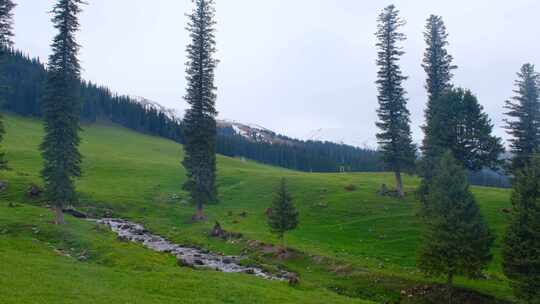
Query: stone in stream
(198, 262)
(184, 263)
(122, 238)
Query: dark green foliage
(458, 124)
(6, 23)
(308, 156)
(25, 80)
(394, 138)
(61, 109)
(284, 216)
(6, 43)
(200, 125)
(521, 250)
(457, 240)
(489, 178)
(524, 117)
(437, 62)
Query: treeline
(25, 77)
(490, 178)
(308, 156)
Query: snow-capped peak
(149, 104)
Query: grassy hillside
(352, 244)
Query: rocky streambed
(187, 256)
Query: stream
(186, 256)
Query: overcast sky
(294, 66)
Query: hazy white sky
(294, 66)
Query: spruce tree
(61, 109)
(284, 216)
(458, 123)
(437, 61)
(394, 138)
(200, 119)
(437, 64)
(523, 122)
(521, 249)
(6, 43)
(457, 240)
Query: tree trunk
(399, 184)
(199, 215)
(449, 286)
(59, 216)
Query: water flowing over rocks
(187, 256)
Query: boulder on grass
(3, 186)
(34, 191)
(350, 188)
(293, 279)
(75, 213)
(217, 231)
(384, 190)
(506, 210)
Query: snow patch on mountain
(173, 114)
(252, 132)
(346, 136)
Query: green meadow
(351, 246)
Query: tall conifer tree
(6, 43)
(394, 138)
(521, 249)
(437, 61)
(457, 240)
(61, 109)
(437, 64)
(200, 118)
(523, 122)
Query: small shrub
(350, 188)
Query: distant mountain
(252, 132)
(148, 104)
(352, 137)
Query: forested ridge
(24, 85)
(24, 82)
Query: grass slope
(369, 241)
